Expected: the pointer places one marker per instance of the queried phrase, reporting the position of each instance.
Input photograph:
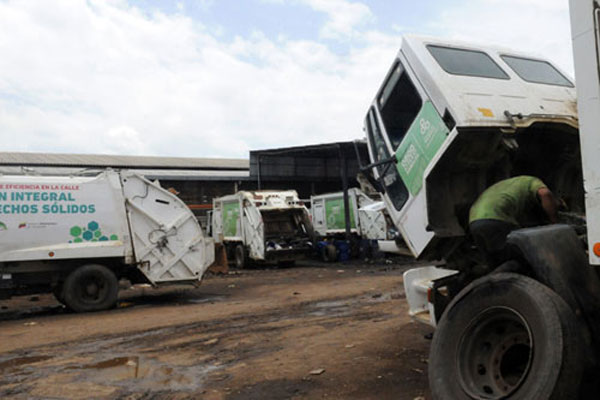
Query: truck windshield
(466, 62)
(536, 71)
(388, 174)
(399, 104)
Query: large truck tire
(506, 336)
(91, 287)
(329, 253)
(240, 256)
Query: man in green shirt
(505, 206)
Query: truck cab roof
(484, 85)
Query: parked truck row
(77, 236)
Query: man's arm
(548, 203)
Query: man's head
(549, 204)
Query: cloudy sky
(217, 78)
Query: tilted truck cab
(450, 120)
(454, 119)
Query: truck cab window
(380, 150)
(388, 174)
(467, 62)
(536, 71)
(399, 103)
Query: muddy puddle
(7, 365)
(144, 373)
(210, 299)
(336, 308)
(344, 307)
(124, 374)
(115, 364)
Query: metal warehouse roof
(115, 161)
(308, 151)
(161, 174)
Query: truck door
(404, 123)
(318, 215)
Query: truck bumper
(287, 254)
(418, 283)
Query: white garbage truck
(450, 120)
(262, 226)
(79, 235)
(368, 220)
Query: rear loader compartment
(286, 233)
(262, 226)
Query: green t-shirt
(509, 200)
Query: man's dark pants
(489, 236)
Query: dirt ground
(337, 331)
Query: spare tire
(506, 336)
(91, 287)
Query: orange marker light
(51, 254)
(597, 249)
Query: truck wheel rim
(93, 289)
(494, 354)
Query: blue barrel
(343, 248)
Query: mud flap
(220, 266)
(558, 260)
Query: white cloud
(123, 140)
(345, 17)
(104, 77)
(535, 26)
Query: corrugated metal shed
(312, 169)
(321, 161)
(117, 161)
